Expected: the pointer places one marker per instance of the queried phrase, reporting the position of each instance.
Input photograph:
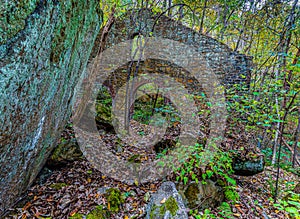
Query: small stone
(166, 203)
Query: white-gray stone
(159, 200)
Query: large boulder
(44, 49)
(166, 203)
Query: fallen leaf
(72, 213)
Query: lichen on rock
(170, 205)
(13, 17)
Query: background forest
(268, 31)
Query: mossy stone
(66, 151)
(169, 205)
(202, 196)
(191, 193)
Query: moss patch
(114, 199)
(58, 186)
(170, 205)
(153, 211)
(77, 216)
(191, 194)
(98, 213)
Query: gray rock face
(166, 203)
(43, 51)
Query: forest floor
(78, 188)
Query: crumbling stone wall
(44, 48)
(229, 66)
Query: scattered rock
(248, 167)
(166, 203)
(202, 196)
(65, 152)
(103, 190)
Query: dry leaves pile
(78, 188)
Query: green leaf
(292, 210)
(161, 163)
(297, 204)
(209, 173)
(185, 180)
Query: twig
(291, 149)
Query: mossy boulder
(166, 203)
(201, 196)
(248, 166)
(65, 152)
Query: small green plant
(205, 215)
(219, 167)
(225, 210)
(190, 169)
(291, 204)
(231, 194)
